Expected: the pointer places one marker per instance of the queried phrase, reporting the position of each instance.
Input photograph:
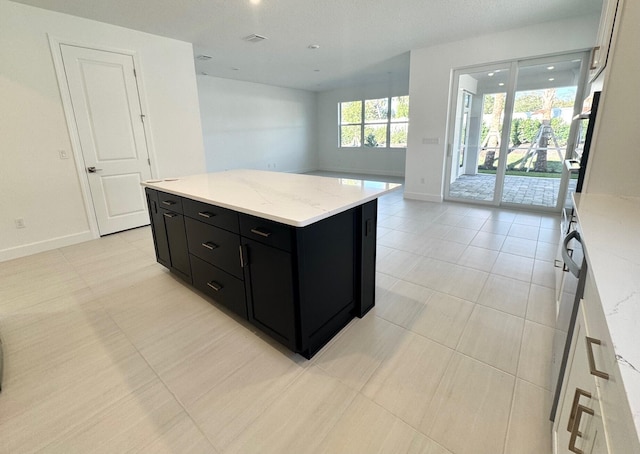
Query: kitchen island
(293, 254)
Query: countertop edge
(161, 185)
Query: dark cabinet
(270, 291)
(222, 287)
(177, 238)
(170, 238)
(157, 227)
(300, 285)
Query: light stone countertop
(292, 199)
(610, 228)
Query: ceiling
(360, 40)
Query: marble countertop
(292, 199)
(610, 226)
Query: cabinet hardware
(168, 202)
(263, 233)
(574, 406)
(567, 256)
(575, 432)
(170, 215)
(209, 245)
(592, 361)
(593, 64)
(214, 285)
(205, 214)
(241, 257)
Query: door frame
(74, 138)
(504, 138)
(511, 87)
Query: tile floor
(105, 351)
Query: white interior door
(106, 107)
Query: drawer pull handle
(209, 245)
(575, 432)
(592, 361)
(168, 202)
(241, 257)
(214, 285)
(170, 215)
(205, 214)
(263, 233)
(574, 406)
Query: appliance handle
(573, 266)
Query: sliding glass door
(512, 127)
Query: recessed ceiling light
(254, 38)
(314, 46)
(490, 74)
(497, 70)
(501, 84)
(551, 79)
(255, 2)
(550, 67)
(203, 57)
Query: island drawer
(170, 201)
(211, 214)
(267, 232)
(214, 245)
(220, 286)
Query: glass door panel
(543, 109)
(477, 139)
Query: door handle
(93, 169)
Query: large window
(379, 123)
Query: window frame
(363, 124)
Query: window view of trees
(381, 123)
(539, 130)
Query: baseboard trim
(46, 245)
(423, 197)
(380, 173)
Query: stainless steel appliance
(570, 278)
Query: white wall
(256, 126)
(35, 184)
(384, 161)
(614, 159)
(430, 78)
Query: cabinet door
(157, 227)
(579, 427)
(600, 53)
(177, 239)
(270, 292)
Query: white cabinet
(579, 426)
(618, 421)
(600, 52)
(594, 414)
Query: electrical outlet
(430, 140)
(20, 223)
(63, 154)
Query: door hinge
(134, 73)
(148, 161)
(142, 116)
